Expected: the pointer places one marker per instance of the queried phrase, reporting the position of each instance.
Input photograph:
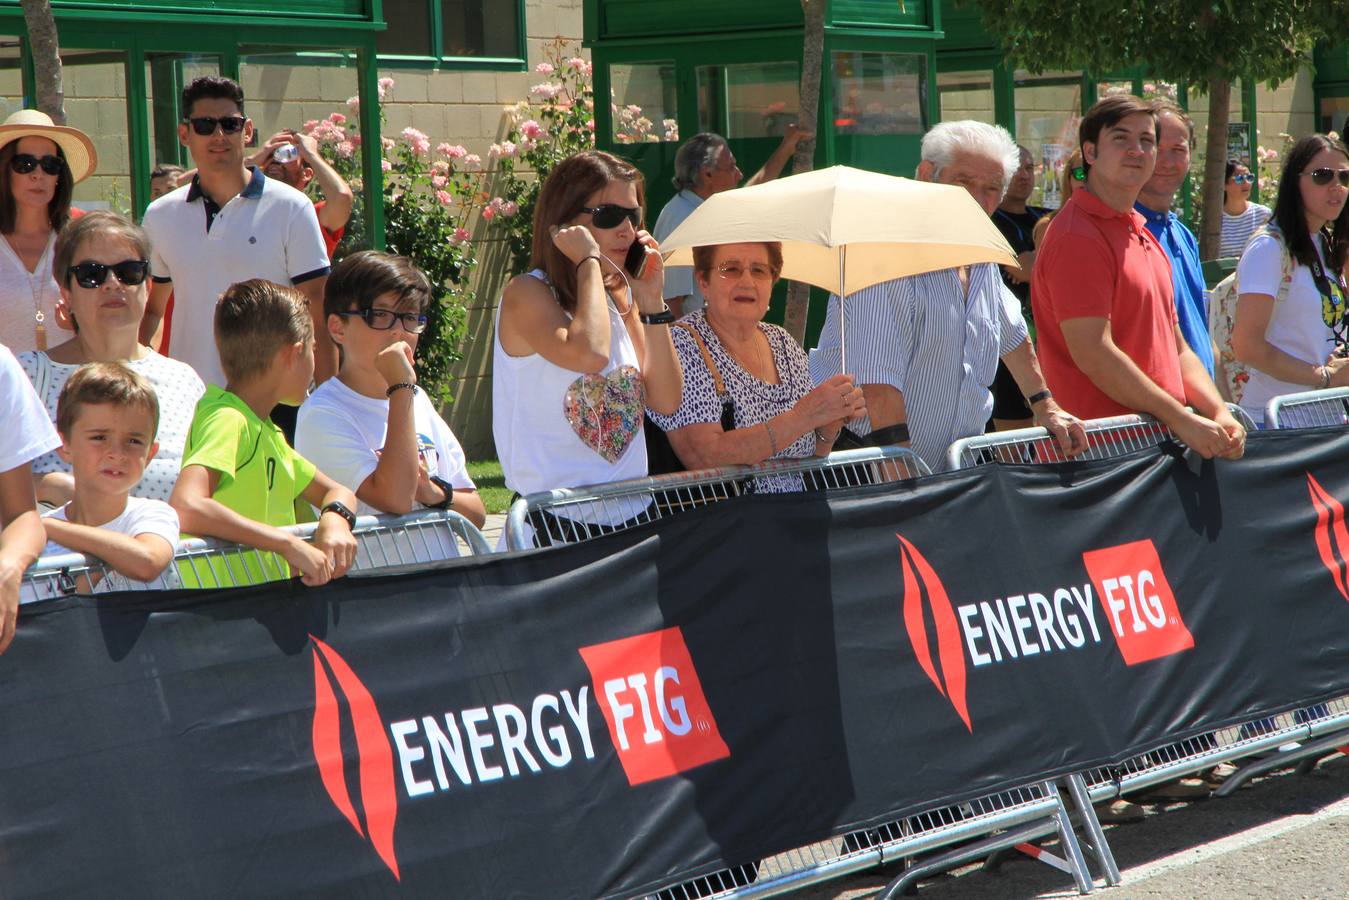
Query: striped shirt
(1237, 230)
(939, 349)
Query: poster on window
(1051, 174)
(1239, 143)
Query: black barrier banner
(612, 717)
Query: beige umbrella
(844, 229)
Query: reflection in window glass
(1048, 111)
(751, 100)
(642, 99)
(879, 93)
(479, 28)
(966, 95)
(1335, 115)
(96, 103)
(11, 78)
(409, 31)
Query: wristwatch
(341, 510)
(449, 493)
(664, 317)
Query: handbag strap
(707, 357)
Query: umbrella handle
(842, 330)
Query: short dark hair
(703, 257)
(253, 321)
(214, 87)
(1164, 107)
(58, 208)
(1108, 112)
(106, 382)
(362, 278)
(165, 169)
(1231, 168)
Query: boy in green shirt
(240, 480)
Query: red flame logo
(378, 796)
(1332, 538)
(920, 580)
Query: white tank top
(556, 428)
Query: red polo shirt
(1096, 262)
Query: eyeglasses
(1323, 177)
(1079, 173)
(611, 215)
(1250, 179)
(23, 163)
(732, 271)
(383, 319)
(130, 272)
(206, 125)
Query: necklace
(42, 269)
(737, 352)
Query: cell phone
(635, 261)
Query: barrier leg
(1099, 846)
(1019, 838)
(1321, 746)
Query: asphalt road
(1283, 836)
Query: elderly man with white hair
(925, 349)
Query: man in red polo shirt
(1109, 342)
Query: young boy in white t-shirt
(107, 418)
(371, 428)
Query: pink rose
(337, 119)
(310, 126)
(488, 213)
(544, 68)
(385, 165)
(460, 236)
(444, 198)
(439, 181)
(345, 149)
(453, 151)
(472, 161)
(531, 130)
(419, 142)
(354, 104)
(510, 208)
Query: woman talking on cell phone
(583, 344)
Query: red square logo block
(1138, 602)
(653, 703)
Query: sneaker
(1180, 789)
(1120, 812)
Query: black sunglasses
(205, 125)
(23, 163)
(1323, 177)
(383, 319)
(611, 215)
(130, 272)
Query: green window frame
(438, 58)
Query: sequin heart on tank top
(606, 411)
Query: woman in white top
(581, 346)
(1290, 343)
(102, 261)
(40, 163)
(1241, 218)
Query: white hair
(946, 139)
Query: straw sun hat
(75, 144)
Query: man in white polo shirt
(231, 223)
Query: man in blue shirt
(1176, 140)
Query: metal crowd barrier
(1317, 730)
(1309, 409)
(571, 515)
(383, 544)
(1106, 439)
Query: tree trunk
(1215, 167)
(812, 58)
(45, 47)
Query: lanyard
(1332, 295)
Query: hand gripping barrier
(1320, 726)
(571, 515)
(1309, 409)
(383, 544)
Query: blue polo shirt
(1187, 279)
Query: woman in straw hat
(40, 163)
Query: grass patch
(486, 474)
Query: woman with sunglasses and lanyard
(1241, 218)
(1290, 321)
(1072, 178)
(102, 262)
(583, 342)
(40, 163)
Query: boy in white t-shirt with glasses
(372, 428)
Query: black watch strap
(1038, 396)
(449, 493)
(664, 317)
(341, 510)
